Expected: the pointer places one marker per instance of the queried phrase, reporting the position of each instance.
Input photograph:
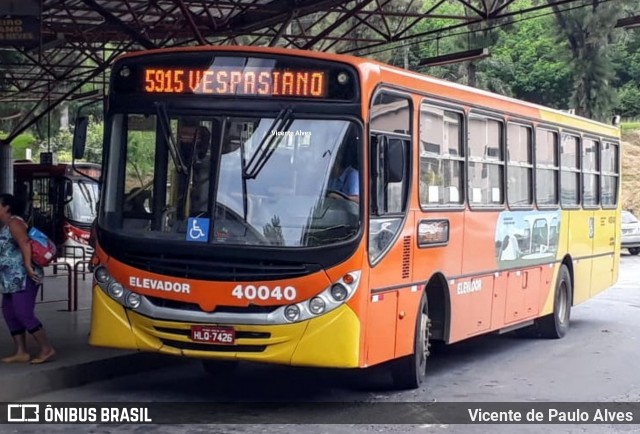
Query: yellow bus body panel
(109, 324)
(330, 340)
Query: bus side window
(389, 174)
(390, 125)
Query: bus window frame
(463, 145)
(597, 172)
(617, 175)
(490, 115)
(577, 134)
(522, 123)
(554, 129)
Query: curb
(23, 386)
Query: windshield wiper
(268, 144)
(163, 118)
(86, 194)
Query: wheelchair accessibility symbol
(198, 229)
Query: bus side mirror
(68, 191)
(80, 137)
(394, 160)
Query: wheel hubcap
(562, 303)
(424, 337)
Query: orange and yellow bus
(321, 210)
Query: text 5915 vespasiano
(225, 81)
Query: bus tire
(219, 368)
(556, 325)
(634, 250)
(409, 371)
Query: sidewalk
(76, 363)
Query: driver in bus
(200, 167)
(344, 181)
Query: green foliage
(629, 100)
(627, 127)
(140, 155)
(62, 142)
(20, 144)
(537, 71)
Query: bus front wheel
(634, 250)
(556, 325)
(409, 371)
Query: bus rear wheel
(556, 325)
(219, 368)
(409, 371)
(634, 250)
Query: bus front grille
(188, 267)
(181, 345)
(183, 305)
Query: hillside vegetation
(630, 190)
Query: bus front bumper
(330, 340)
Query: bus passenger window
(441, 157)
(590, 172)
(546, 167)
(486, 161)
(570, 174)
(609, 175)
(520, 165)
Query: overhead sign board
(19, 22)
(16, 30)
(20, 7)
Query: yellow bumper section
(330, 340)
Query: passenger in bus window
(19, 279)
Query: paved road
(596, 361)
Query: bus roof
(375, 72)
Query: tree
(534, 62)
(589, 32)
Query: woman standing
(19, 280)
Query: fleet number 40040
(252, 292)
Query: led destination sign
(265, 82)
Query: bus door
(47, 206)
(604, 227)
(391, 231)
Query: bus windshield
(248, 180)
(82, 208)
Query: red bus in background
(59, 201)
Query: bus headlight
(292, 313)
(116, 290)
(133, 300)
(101, 275)
(332, 297)
(339, 292)
(317, 305)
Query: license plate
(213, 335)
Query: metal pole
(406, 57)
(6, 168)
(49, 118)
